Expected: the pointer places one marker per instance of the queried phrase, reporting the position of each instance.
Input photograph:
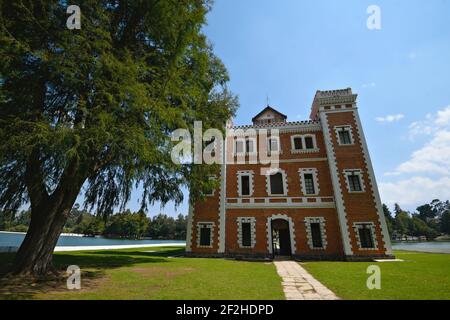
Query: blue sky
(288, 49)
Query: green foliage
(429, 221)
(128, 225)
(389, 219)
(445, 222)
(96, 106)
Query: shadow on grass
(93, 265)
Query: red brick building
(320, 200)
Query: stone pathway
(298, 284)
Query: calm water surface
(15, 239)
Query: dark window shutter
(245, 185)
(354, 182)
(309, 143)
(344, 137)
(205, 236)
(276, 183)
(298, 144)
(246, 234)
(309, 184)
(316, 235)
(365, 237)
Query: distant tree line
(126, 224)
(428, 221)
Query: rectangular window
(298, 145)
(316, 235)
(344, 136)
(205, 235)
(309, 183)
(245, 185)
(246, 234)
(276, 183)
(309, 143)
(249, 145)
(354, 182)
(365, 237)
(273, 145)
(239, 146)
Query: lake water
(15, 239)
(432, 246)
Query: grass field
(140, 274)
(422, 276)
(152, 273)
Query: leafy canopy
(96, 106)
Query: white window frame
(253, 140)
(348, 128)
(304, 149)
(323, 234)
(250, 174)
(269, 139)
(285, 185)
(209, 225)
(235, 141)
(358, 172)
(357, 226)
(252, 221)
(314, 172)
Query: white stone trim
(285, 185)
(250, 174)
(288, 127)
(255, 146)
(241, 140)
(222, 200)
(314, 172)
(291, 231)
(340, 207)
(359, 225)
(373, 182)
(189, 228)
(357, 172)
(252, 221)
(269, 139)
(304, 149)
(348, 128)
(211, 227)
(321, 221)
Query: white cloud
(390, 118)
(443, 117)
(428, 167)
(414, 191)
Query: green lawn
(139, 274)
(422, 276)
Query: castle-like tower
(319, 201)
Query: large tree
(94, 108)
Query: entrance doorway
(281, 238)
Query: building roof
(269, 108)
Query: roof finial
(267, 100)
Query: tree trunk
(36, 252)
